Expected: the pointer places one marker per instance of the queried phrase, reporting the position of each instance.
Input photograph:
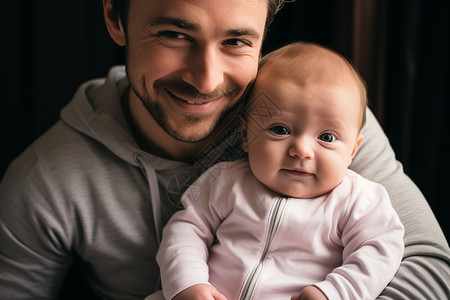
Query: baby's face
(301, 138)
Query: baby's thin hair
(299, 59)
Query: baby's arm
(372, 238)
(183, 253)
(184, 249)
(201, 291)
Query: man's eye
(280, 130)
(171, 35)
(236, 43)
(327, 137)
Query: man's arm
(32, 259)
(425, 269)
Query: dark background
(400, 47)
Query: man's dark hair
(121, 8)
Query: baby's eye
(327, 137)
(280, 130)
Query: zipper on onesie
(274, 222)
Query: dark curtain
(51, 48)
(400, 47)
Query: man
(100, 184)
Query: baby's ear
(243, 131)
(358, 142)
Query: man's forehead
(229, 8)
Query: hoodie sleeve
(425, 269)
(33, 247)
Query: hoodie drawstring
(155, 199)
(152, 180)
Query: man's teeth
(190, 102)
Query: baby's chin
(303, 193)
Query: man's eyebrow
(178, 22)
(242, 32)
(185, 24)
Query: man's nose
(302, 147)
(204, 69)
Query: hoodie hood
(96, 111)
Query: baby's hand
(200, 291)
(310, 293)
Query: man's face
(189, 61)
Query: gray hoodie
(86, 191)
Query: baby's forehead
(305, 79)
(281, 90)
(309, 64)
(306, 69)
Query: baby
(291, 220)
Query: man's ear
(113, 23)
(358, 142)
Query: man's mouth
(189, 101)
(186, 93)
(193, 103)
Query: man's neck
(153, 139)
